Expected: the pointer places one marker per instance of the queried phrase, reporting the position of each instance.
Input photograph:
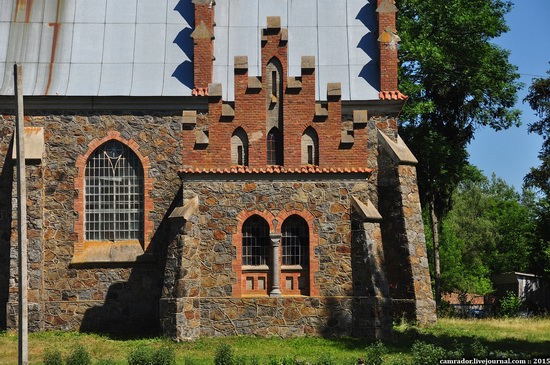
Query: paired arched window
(114, 193)
(295, 241)
(239, 147)
(267, 268)
(255, 233)
(274, 147)
(310, 147)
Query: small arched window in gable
(114, 194)
(310, 147)
(239, 147)
(274, 147)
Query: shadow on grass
(403, 339)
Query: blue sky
(511, 153)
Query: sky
(511, 153)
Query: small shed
(532, 290)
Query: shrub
(164, 356)
(427, 354)
(374, 353)
(79, 356)
(224, 355)
(510, 305)
(140, 356)
(479, 350)
(53, 358)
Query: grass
(530, 337)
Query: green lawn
(528, 337)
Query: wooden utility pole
(23, 338)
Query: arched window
(114, 193)
(255, 233)
(239, 147)
(310, 147)
(274, 147)
(295, 241)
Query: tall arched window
(310, 147)
(239, 147)
(295, 241)
(114, 193)
(255, 233)
(274, 147)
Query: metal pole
(23, 338)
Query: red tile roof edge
(276, 170)
(392, 95)
(200, 91)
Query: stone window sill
(107, 252)
(252, 268)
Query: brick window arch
(113, 194)
(310, 147)
(239, 147)
(274, 147)
(113, 202)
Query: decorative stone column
(275, 270)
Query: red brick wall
(388, 55)
(203, 47)
(298, 114)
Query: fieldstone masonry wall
(107, 297)
(352, 291)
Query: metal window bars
(295, 241)
(113, 194)
(255, 234)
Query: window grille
(295, 241)
(255, 233)
(274, 150)
(114, 194)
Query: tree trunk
(437, 268)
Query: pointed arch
(239, 147)
(310, 147)
(113, 201)
(274, 70)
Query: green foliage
(427, 354)
(326, 359)
(141, 355)
(457, 80)
(144, 355)
(53, 358)
(105, 362)
(79, 356)
(479, 350)
(538, 98)
(510, 305)
(374, 353)
(489, 230)
(224, 355)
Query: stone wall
(100, 297)
(350, 298)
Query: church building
(210, 168)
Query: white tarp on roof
(143, 47)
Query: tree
(538, 98)
(457, 80)
(489, 230)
